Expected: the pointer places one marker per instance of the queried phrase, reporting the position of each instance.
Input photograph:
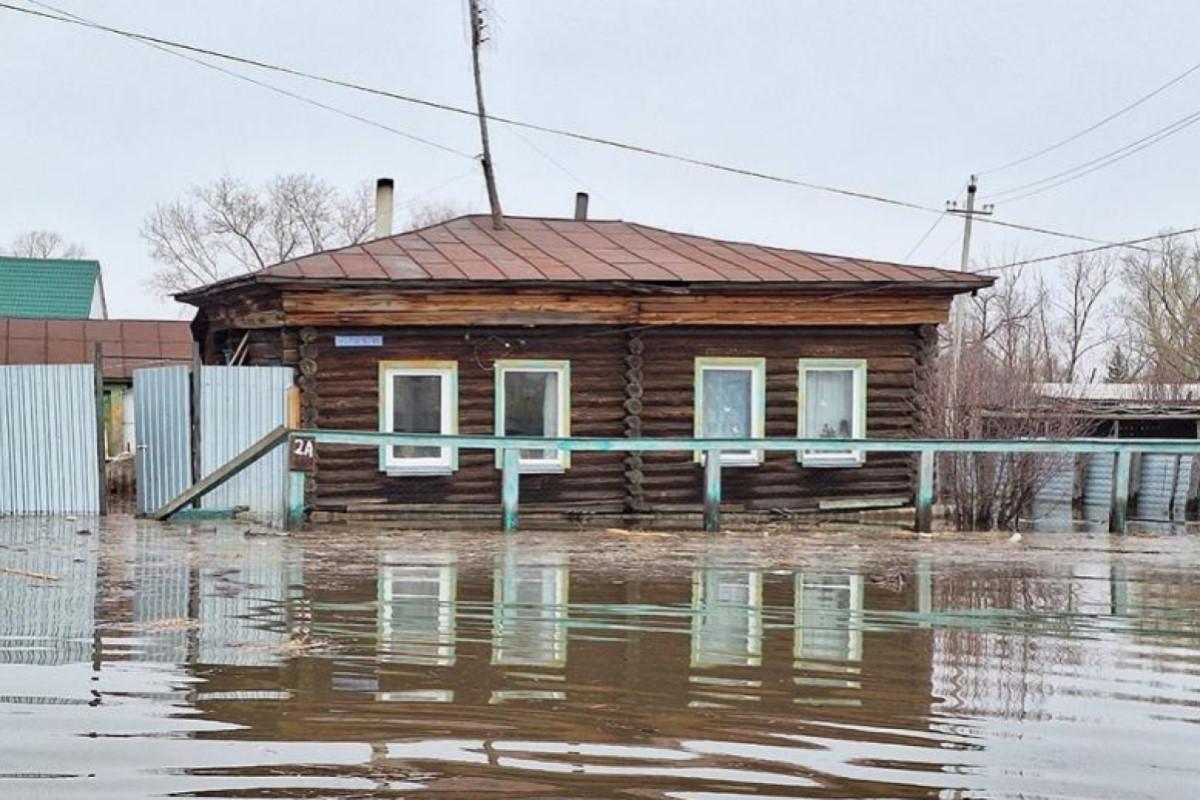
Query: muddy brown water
(147, 661)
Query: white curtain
(829, 404)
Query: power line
(936, 221)
(1100, 162)
(1086, 250)
(68, 16)
(1096, 125)
(446, 107)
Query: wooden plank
(1118, 518)
(98, 388)
(712, 490)
(239, 462)
(510, 488)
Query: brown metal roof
(125, 344)
(536, 249)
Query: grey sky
(896, 98)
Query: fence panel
(238, 406)
(161, 401)
(48, 456)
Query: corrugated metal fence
(48, 456)
(162, 400)
(238, 406)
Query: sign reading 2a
(302, 456)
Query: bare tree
(1081, 326)
(1161, 308)
(44, 244)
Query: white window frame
(757, 367)
(857, 366)
(447, 462)
(563, 370)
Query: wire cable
(1096, 125)
(1086, 250)
(446, 107)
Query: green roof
(55, 288)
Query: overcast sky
(902, 99)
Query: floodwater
(148, 661)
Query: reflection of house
(417, 611)
(828, 617)
(554, 327)
(529, 611)
(727, 625)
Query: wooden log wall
(674, 482)
(624, 382)
(347, 397)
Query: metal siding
(238, 406)
(162, 399)
(1158, 485)
(1052, 501)
(1097, 486)
(48, 456)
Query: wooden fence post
(925, 492)
(712, 491)
(1118, 516)
(102, 462)
(511, 487)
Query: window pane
(531, 408)
(416, 408)
(728, 402)
(829, 404)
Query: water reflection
(727, 624)
(529, 605)
(402, 666)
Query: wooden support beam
(239, 462)
(712, 491)
(1118, 517)
(511, 487)
(924, 522)
(101, 465)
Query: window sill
(831, 463)
(417, 472)
(541, 469)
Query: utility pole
(968, 212)
(475, 9)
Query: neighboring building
(125, 344)
(51, 288)
(590, 328)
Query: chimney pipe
(384, 190)
(581, 205)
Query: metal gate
(237, 407)
(49, 462)
(163, 433)
(1163, 484)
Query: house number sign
(358, 341)
(302, 456)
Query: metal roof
(538, 249)
(126, 344)
(47, 287)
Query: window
(533, 398)
(731, 403)
(832, 405)
(418, 397)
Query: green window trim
(562, 369)
(757, 367)
(858, 367)
(447, 371)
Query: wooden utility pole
(489, 175)
(969, 212)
